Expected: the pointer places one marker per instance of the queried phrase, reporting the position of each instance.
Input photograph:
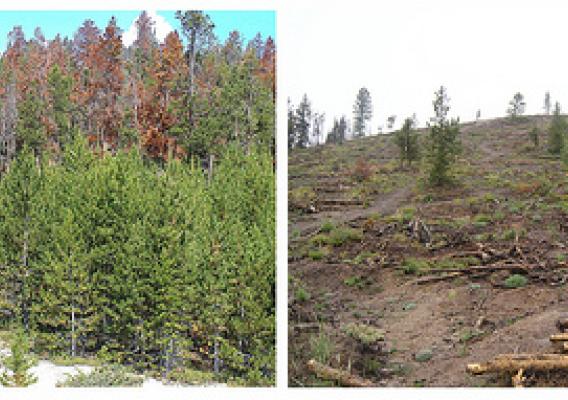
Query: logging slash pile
(521, 364)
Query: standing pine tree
(557, 131)
(362, 112)
(318, 127)
(18, 363)
(407, 141)
(516, 106)
(303, 122)
(30, 130)
(60, 92)
(444, 144)
(338, 131)
(291, 126)
(547, 103)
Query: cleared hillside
(404, 285)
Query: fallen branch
(514, 362)
(436, 278)
(344, 378)
(307, 327)
(560, 337)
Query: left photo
(137, 198)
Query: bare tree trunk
(210, 169)
(25, 254)
(73, 338)
(216, 356)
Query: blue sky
(67, 22)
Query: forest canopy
(114, 241)
(164, 98)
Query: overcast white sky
(402, 51)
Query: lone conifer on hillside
(362, 112)
(517, 105)
(444, 144)
(557, 131)
(407, 142)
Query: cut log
(344, 378)
(514, 362)
(560, 337)
(436, 278)
(307, 327)
(481, 268)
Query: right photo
(427, 194)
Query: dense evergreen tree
(407, 141)
(557, 132)
(18, 363)
(443, 144)
(303, 122)
(338, 133)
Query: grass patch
(481, 220)
(337, 236)
(414, 265)
(319, 253)
(358, 281)
(327, 226)
(190, 376)
(302, 197)
(302, 295)
(365, 334)
(68, 361)
(321, 347)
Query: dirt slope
(354, 262)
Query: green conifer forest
(117, 241)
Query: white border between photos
(282, 8)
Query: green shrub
(365, 334)
(318, 254)
(414, 265)
(337, 236)
(327, 226)
(67, 361)
(516, 281)
(357, 281)
(481, 220)
(104, 376)
(190, 376)
(302, 295)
